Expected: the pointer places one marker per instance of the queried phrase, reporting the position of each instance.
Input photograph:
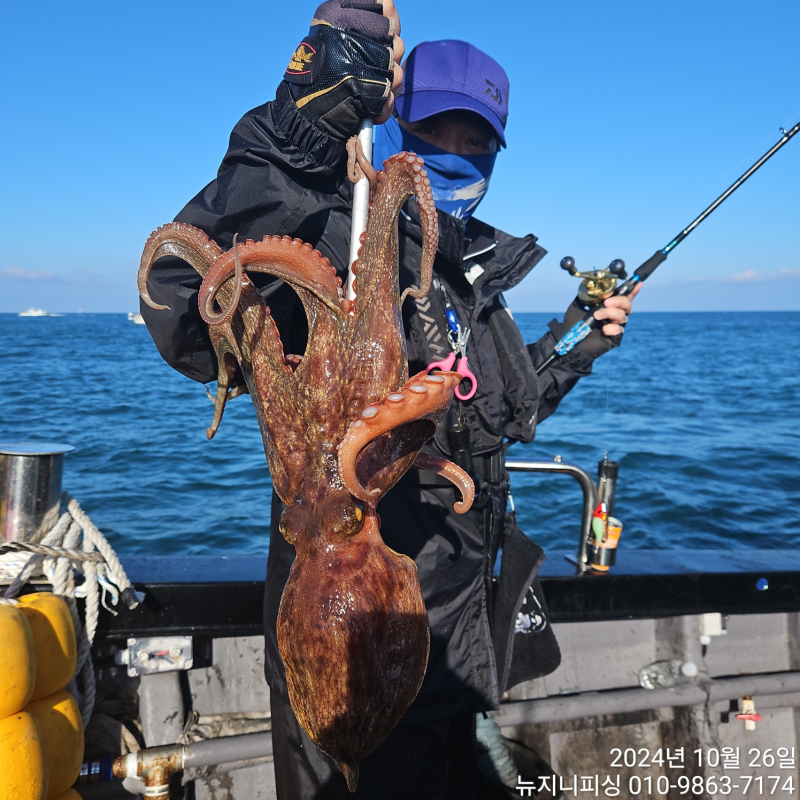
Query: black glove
(342, 71)
(596, 343)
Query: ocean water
(700, 409)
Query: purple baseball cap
(448, 75)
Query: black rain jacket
(284, 175)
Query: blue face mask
(458, 182)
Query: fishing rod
(603, 281)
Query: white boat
(33, 312)
(136, 318)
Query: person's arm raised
(348, 66)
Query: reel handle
(568, 264)
(617, 268)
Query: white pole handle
(360, 205)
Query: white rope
(73, 543)
(113, 568)
(71, 553)
(17, 562)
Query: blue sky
(627, 119)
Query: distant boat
(136, 318)
(33, 312)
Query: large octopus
(341, 425)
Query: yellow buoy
(62, 732)
(54, 641)
(23, 773)
(17, 663)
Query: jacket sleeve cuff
(306, 146)
(595, 344)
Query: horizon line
(556, 313)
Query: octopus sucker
(418, 400)
(341, 423)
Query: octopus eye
(346, 515)
(285, 528)
(293, 521)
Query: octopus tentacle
(430, 233)
(225, 373)
(423, 397)
(404, 176)
(232, 394)
(292, 260)
(207, 306)
(454, 473)
(255, 342)
(358, 165)
(266, 355)
(175, 239)
(251, 338)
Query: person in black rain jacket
(284, 173)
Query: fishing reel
(598, 284)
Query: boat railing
(587, 484)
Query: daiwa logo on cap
(494, 92)
(451, 75)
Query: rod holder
(607, 474)
(30, 488)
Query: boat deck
(735, 614)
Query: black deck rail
(223, 595)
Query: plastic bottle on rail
(665, 674)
